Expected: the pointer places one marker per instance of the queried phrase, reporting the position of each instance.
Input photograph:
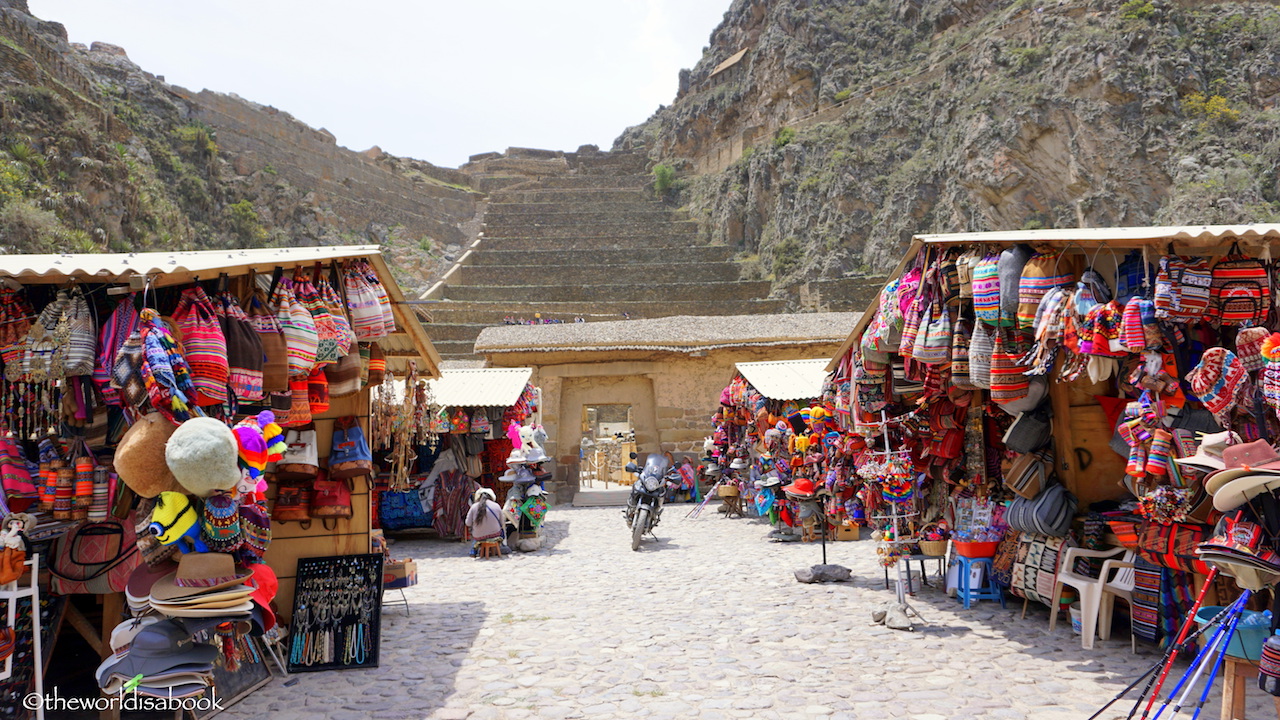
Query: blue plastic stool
(989, 589)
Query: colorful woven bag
(275, 350)
(203, 345)
(326, 330)
(367, 321)
(1008, 381)
(299, 329)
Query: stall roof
(1186, 238)
(177, 268)
(678, 333)
(1186, 235)
(479, 387)
(786, 379)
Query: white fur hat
(202, 454)
(483, 493)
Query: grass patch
(649, 693)
(509, 618)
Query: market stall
(468, 429)
(1050, 393)
(771, 451)
(179, 431)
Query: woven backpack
(204, 345)
(1240, 290)
(1183, 289)
(986, 289)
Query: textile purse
(326, 330)
(275, 350)
(1031, 430)
(1028, 474)
(293, 503)
(1049, 513)
(459, 422)
(367, 321)
(349, 455)
(81, 352)
(1008, 379)
(331, 499)
(933, 346)
(981, 347)
(95, 558)
(299, 329)
(344, 375)
(203, 345)
(300, 461)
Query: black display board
(337, 619)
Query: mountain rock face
(816, 136)
(98, 155)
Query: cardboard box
(401, 574)
(847, 532)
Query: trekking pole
(1176, 647)
(1151, 671)
(1196, 667)
(697, 510)
(1222, 656)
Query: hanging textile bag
(203, 345)
(1172, 545)
(331, 499)
(380, 292)
(122, 322)
(459, 422)
(1240, 290)
(275, 349)
(299, 329)
(981, 347)
(1183, 291)
(401, 510)
(376, 362)
(301, 460)
(1049, 513)
(1008, 381)
(1042, 273)
(934, 344)
(367, 321)
(349, 455)
(986, 289)
(1029, 473)
(298, 411)
(19, 489)
(293, 503)
(326, 330)
(318, 392)
(346, 337)
(244, 349)
(344, 375)
(80, 355)
(94, 558)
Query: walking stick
(697, 510)
(1177, 646)
(1197, 665)
(1151, 671)
(1222, 655)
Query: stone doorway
(608, 439)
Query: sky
(433, 80)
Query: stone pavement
(707, 623)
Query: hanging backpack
(80, 355)
(349, 454)
(986, 289)
(1041, 274)
(301, 460)
(293, 503)
(1240, 290)
(275, 349)
(330, 499)
(244, 349)
(362, 303)
(299, 329)
(1049, 513)
(1183, 289)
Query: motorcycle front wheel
(638, 526)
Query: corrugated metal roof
(786, 379)
(178, 268)
(1191, 235)
(171, 267)
(729, 62)
(479, 387)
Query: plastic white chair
(1092, 591)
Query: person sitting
(484, 520)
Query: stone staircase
(570, 235)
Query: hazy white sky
(425, 78)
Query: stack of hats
(204, 585)
(162, 653)
(1242, 487)
(1248, 470)
(1269, 666)
(1208, 457)
(137, 591)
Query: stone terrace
(581, 235)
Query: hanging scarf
(165, 371)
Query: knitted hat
(255, 525)
(220, 523)
(1131, 334)
(202, 455)
(140, 456)
(1249, 347)
(1218, 380)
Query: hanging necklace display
(336, 613)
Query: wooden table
(1235, 676)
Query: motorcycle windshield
(655, 466)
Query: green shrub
(243, 221)
(664, 178)
(784, 137)
(42, 100)
(844, 94)
(787, 257)
(1027, 58)
(1137, 10)
(199, 140)
(28, 228)
(27, 155)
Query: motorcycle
(644, 506)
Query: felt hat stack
(163, 657)
(204, 585)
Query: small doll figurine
(13, 545)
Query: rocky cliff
(818, 136)
(97, 154)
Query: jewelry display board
(251, 672)
(336, 613)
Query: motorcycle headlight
(651, 484)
